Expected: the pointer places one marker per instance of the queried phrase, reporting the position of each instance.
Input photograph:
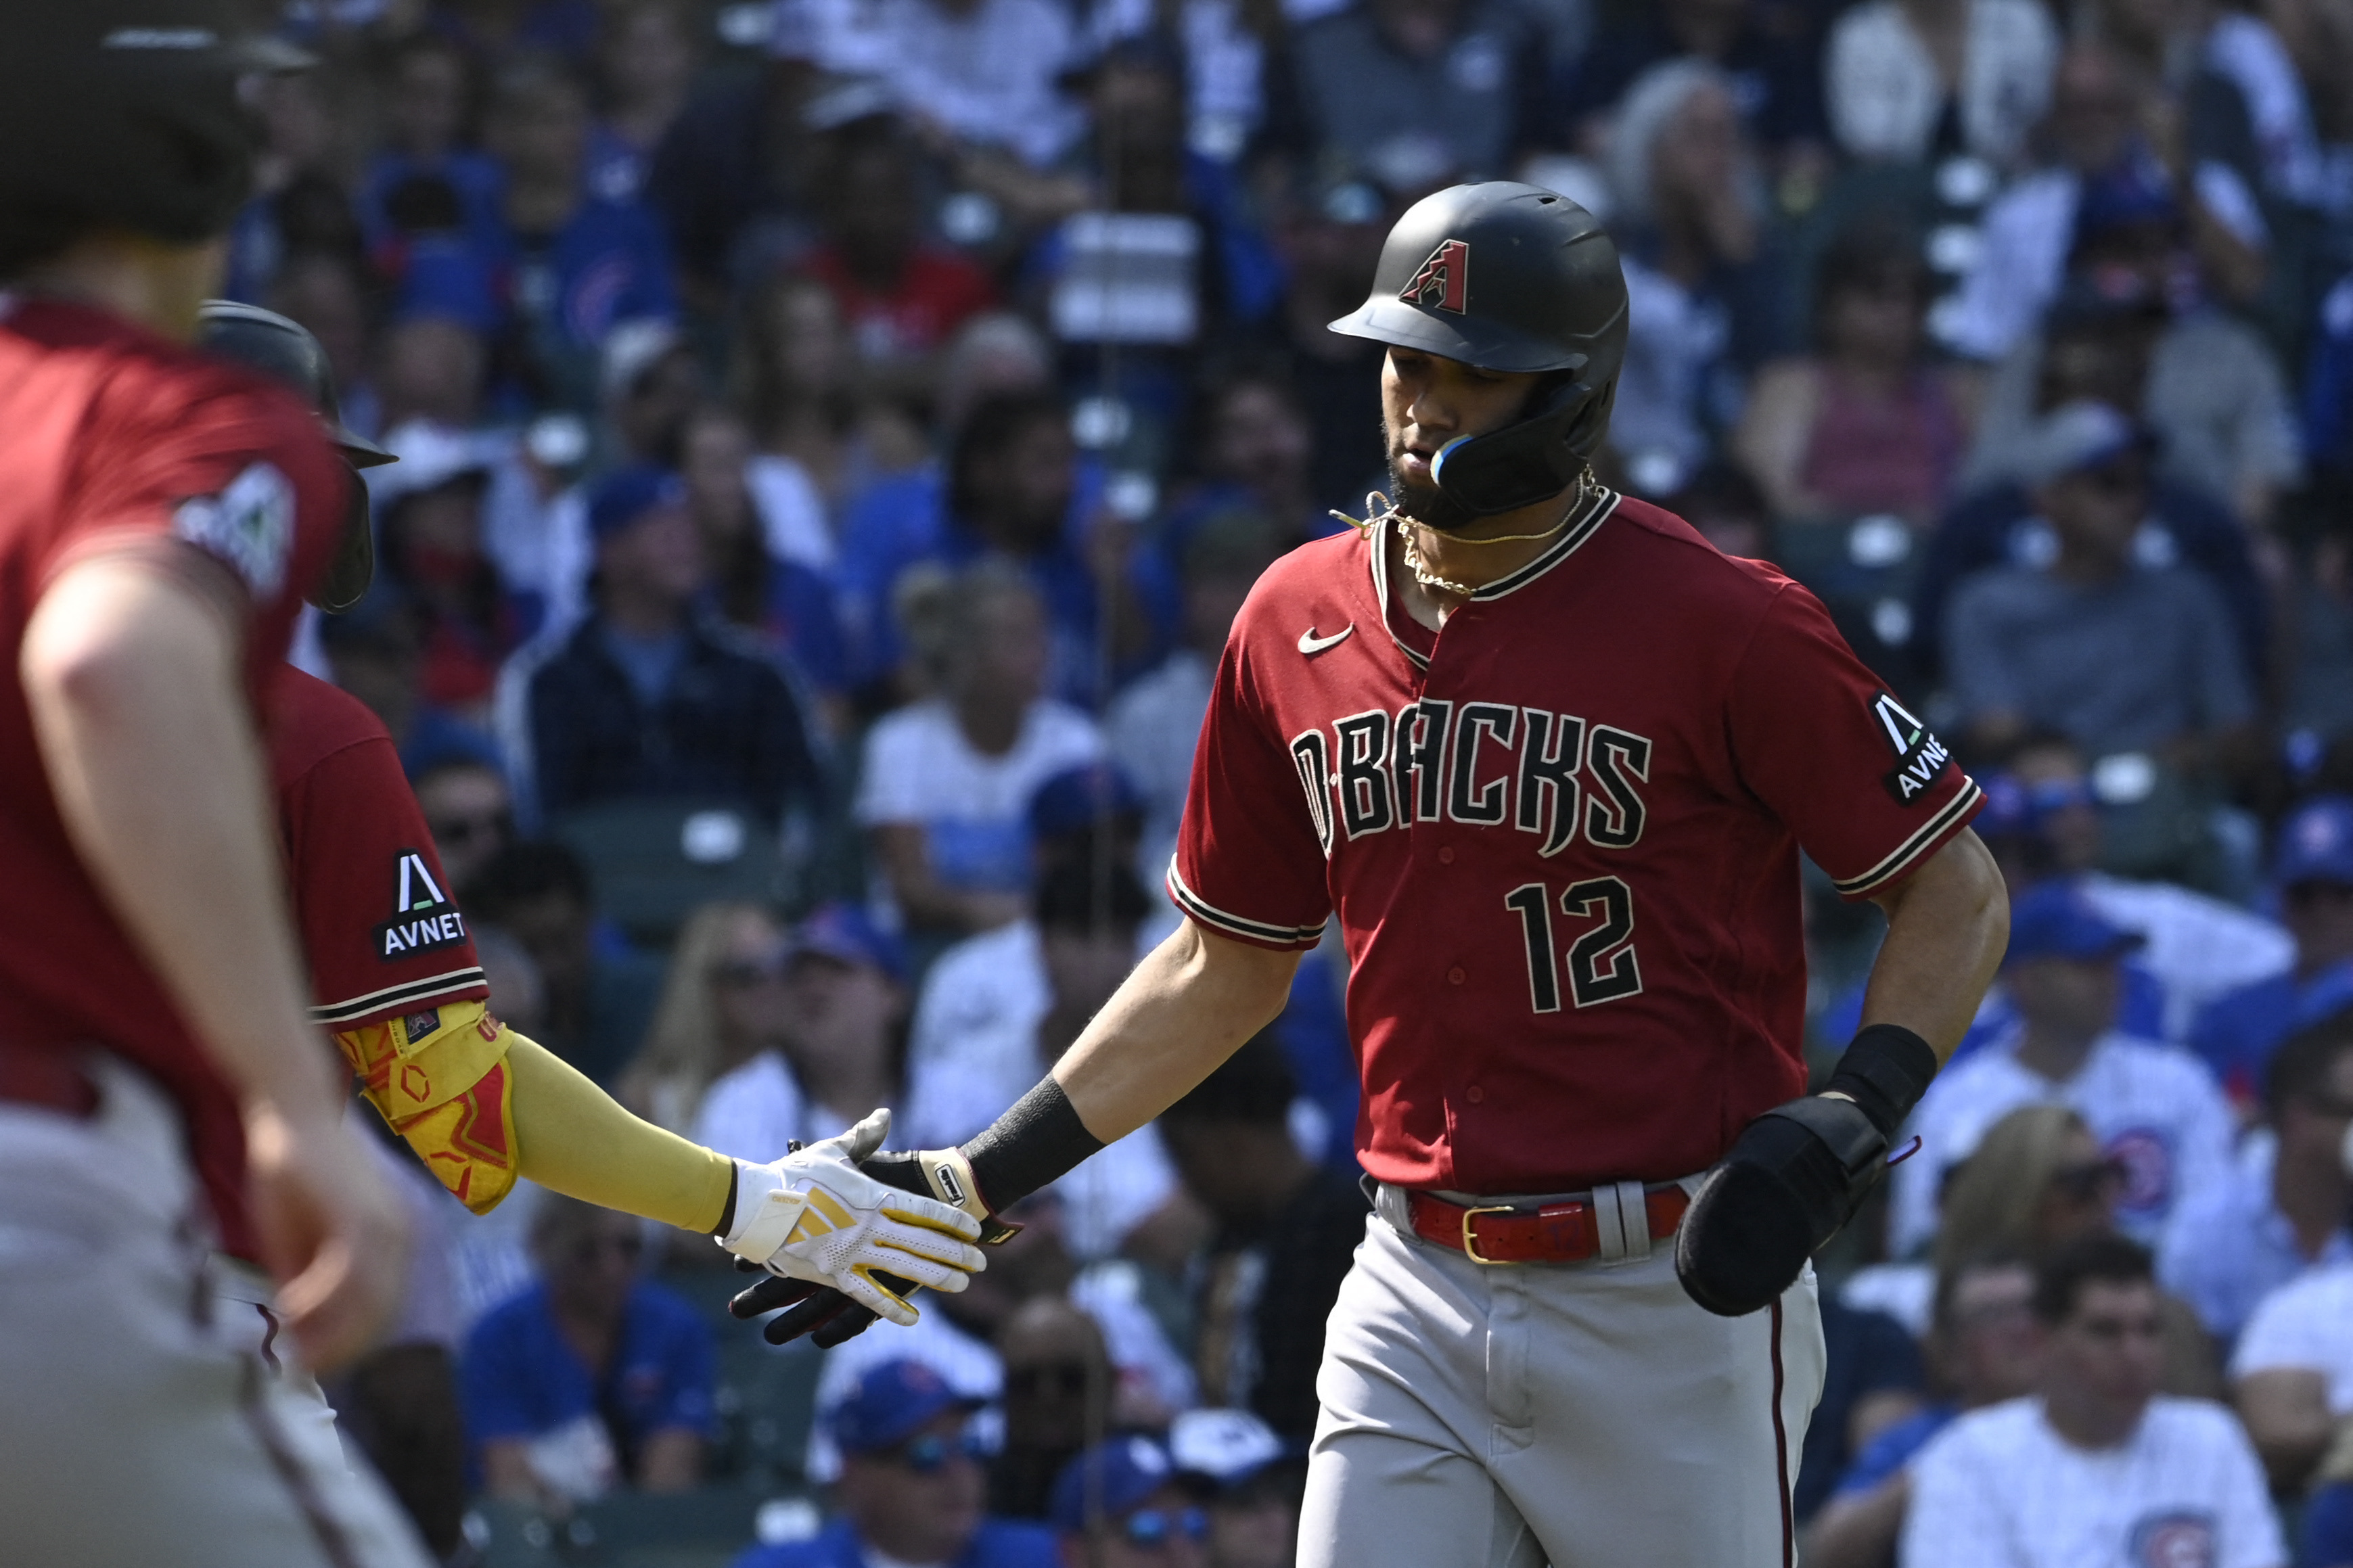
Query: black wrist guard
(1885, 1070)
(1033, 1145)
(945, 1174)
(1794, 1176)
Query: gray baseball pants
(1584, 1415)
(138, 1423)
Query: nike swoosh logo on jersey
(1311, 644)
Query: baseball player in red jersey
(1551, 760)
(159, 516)
(394, 979)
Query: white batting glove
(814, 1216)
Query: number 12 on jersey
(1601, 962)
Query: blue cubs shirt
(522, 1379)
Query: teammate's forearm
(572, 1138)
(123, 663)
(1185, 1009)
(1947, 926)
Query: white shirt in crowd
(2000, 1489)
(754, 1111)
(973, 1051)
(2199, 948)
(1885, 94)
(973, 808)
(2155, 1108)
(2305, 1325)
(2229, 1247)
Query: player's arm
(1947, 926)
(1180, 1013)
(483, 1106)
(131, 665)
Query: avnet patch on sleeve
(248, 525)
(423, 917)
(1921, 758)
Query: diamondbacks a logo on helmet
(1448, 273)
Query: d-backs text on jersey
(1490, 764)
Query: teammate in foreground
(1551, 759)
(159, 516)
(395, 978)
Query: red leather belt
(1563, 1230)
(49, 1079)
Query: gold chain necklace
(1379, 509)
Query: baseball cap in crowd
(1227, 1448)
(845, 933)
(1113, 1477)
(2053, 919)
(889, 1405)
(2075, 436)
(628, 493)
(1077, 798)
(2315, 843)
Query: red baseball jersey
(379, 922)
(110, 434)
(1561, 837)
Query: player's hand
(333, 1233)
(820, 1311)
(1792, 1178)
(814, 1216)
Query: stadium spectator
(1981, 1350)
(2097, 1465)
(1865, 424)
(2118, 654)
(1329, 235)
(820, 430)
(946, 779)
(1059, 1389)
(576, 262)
(911, 1488)
(1013, 487)
(1703, 283)
(1250, 1482)
(984, 74)
(649, 383)
(725, 1001)
(1909, 81)
(375, 651)
(467, 809)
(1120, 1505)
(1085, 914)
(593, 1377)
(2107, 183)
(599, 993)
(645, 60)
(424, 179)
(2311, 874)
(328, 295)
(2161, 1121)
(1287, 1230)
(2292, 1373)
(903, 295)
(2316, 710)
(2286, 1204)
(762, 585)
(435, 550)
(1255, 443)
(1771, 58)
(649, 699)
(838, 1015)
(1412, 94)
(1152, 725)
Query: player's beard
(1427, 504)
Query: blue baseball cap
(1115, 1476)
(847, 934)
(891, 1403)
(1077, 798)
(627, 494)
(2315, 843)
(2053, 919)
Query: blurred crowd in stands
(835, 438)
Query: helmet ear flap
(1532, 460)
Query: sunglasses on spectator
(464, 830)
(929, 1453)
(742, 974)
(2091, 1180)
(1148, 1528)
(1048, 1378)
